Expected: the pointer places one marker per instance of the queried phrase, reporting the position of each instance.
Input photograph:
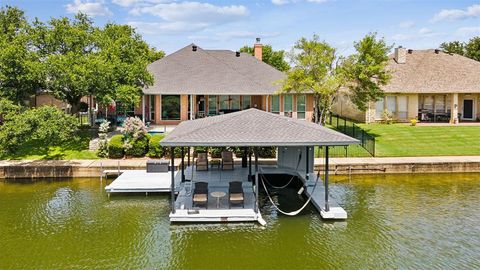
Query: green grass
(76, 148)
(404, 140)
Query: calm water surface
(396, 221)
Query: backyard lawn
(404, 140)
(76, 148)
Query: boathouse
(249, 129)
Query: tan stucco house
(428, 85)
(195, 83)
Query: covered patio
(250, 130)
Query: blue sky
(171, 24)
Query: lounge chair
(235, 194)
(227, 160)
(200, 194)
(202, 162)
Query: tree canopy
(21, 72)
(317, 69)
(72, 58)
(274, 58)
(366, 71)
(470, 49)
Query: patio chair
(227, 160)
(200, 194)
(235, 194)
(201, 163)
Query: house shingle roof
(212, 72)
(428, 72)
(253, 127)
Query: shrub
(267, 152)
(387, 117)
(154, 148)
(413, 122)
(115, 147)
(177, 152)
(137, 148)
(216, 152)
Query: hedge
(267, 152)
(155, 150)
(115, 147)
(139, 148)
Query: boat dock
(135, 181)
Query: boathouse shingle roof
(212, 72)
(428, 72)
(253, 127)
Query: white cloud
(421, 34)
(424, 31)
(166, 28)
(407, 24)
(130, 3)
(194, 12)
(91, 8)
(468, 31)
(284, 2)
(456, 14)
(225, 36)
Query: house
(195, 83)
(429, 85)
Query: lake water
(395, 221)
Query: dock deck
(215, 211)
(134, 181)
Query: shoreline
(11, 169)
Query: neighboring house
(194, 83)
(46, 98)
(428, 85)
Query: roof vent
(237, 54)
(194, 48)
(410, 51)
(437, 51)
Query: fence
(350, 128)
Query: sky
(170, 25)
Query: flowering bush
(134, 128)
(136, 137)
(102, 141)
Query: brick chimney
(257, 49)
(400, 55)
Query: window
(379, 105)
(392, 104)
(288, 105)
(212, 105)
(402, 102)
(247, 102)
(428, 103)
(440, 103)
(275, 104)
(224, 103)
(234, 102)
(170, 107)
(301, 106)
(152, 107)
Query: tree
(366, 70)
(472, 49)
(47, 124)
(453, 47)
(127, 57)
(317, 69)
(108, 63)
(275, 59)
(20, 69)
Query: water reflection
(396, 221)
